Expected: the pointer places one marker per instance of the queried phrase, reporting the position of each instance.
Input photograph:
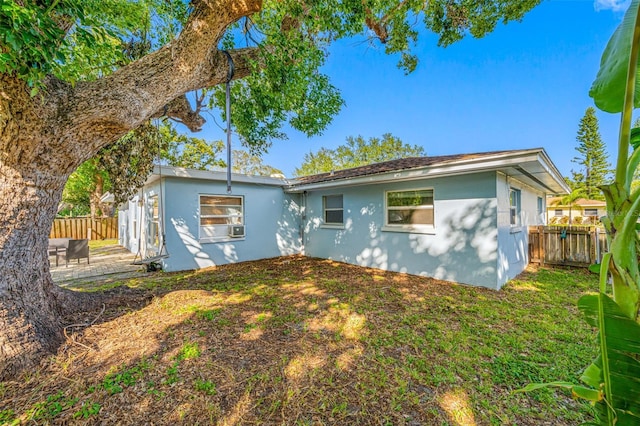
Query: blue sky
(523, 86)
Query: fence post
(598, 248)
(541, 244)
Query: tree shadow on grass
(284, 341)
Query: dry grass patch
(302, 341)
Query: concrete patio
(107, 262)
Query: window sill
(332, 226)
(515, 229)
(220, 240)
(430, 230)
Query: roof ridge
(402, 163)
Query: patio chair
(57, 252)
(58, 248)
(77, 249)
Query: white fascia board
(472, 165)
(180, 172)
(550, 168)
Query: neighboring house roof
(532, 166)
(580, 202)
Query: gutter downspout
(303, 218)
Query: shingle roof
(393, 165)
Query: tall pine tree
(592, 157)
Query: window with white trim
(333, 209)
(406, 209)
(591, 212)
(218, 213)
(558, 212)
(153, 223)
(540, 206)
(514, 207)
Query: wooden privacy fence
(567, 245)
(85, 227)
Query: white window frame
(412, 228)
(515, 209)
(153, 218)
(558, 212)
(233, 219)
(326, 209)
(540, 202)
(591, 209)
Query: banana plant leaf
(619, 358)
(609, 86)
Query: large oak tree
(69, 86)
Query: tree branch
(105, 109)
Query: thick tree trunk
(30, 304)
(43, 139)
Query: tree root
(73, 302)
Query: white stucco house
(460, 218)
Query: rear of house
(459, 218)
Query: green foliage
(206, 386)
(609, 88)
(251, 164)
(80, 39)
(6, 416)
(357, 152)
(87, 39)
(592, 158)
(121, 168)
(612, 377)
(124, 166)
(87, 410)
(172, 373)
(54, 405)
(116, 381)
(618, 366)
(80, 185)
(189, 152)
(189, 351)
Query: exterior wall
(472, 241)
(131, 222)
(513, 241)
(128, 215)
(462, 246)
(271, 219)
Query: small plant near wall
(612, 380)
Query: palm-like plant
(570, 200)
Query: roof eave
(180, 172)
(465, 166)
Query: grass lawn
(98, 244)
(301, 341)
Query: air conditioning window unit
(236, 231)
